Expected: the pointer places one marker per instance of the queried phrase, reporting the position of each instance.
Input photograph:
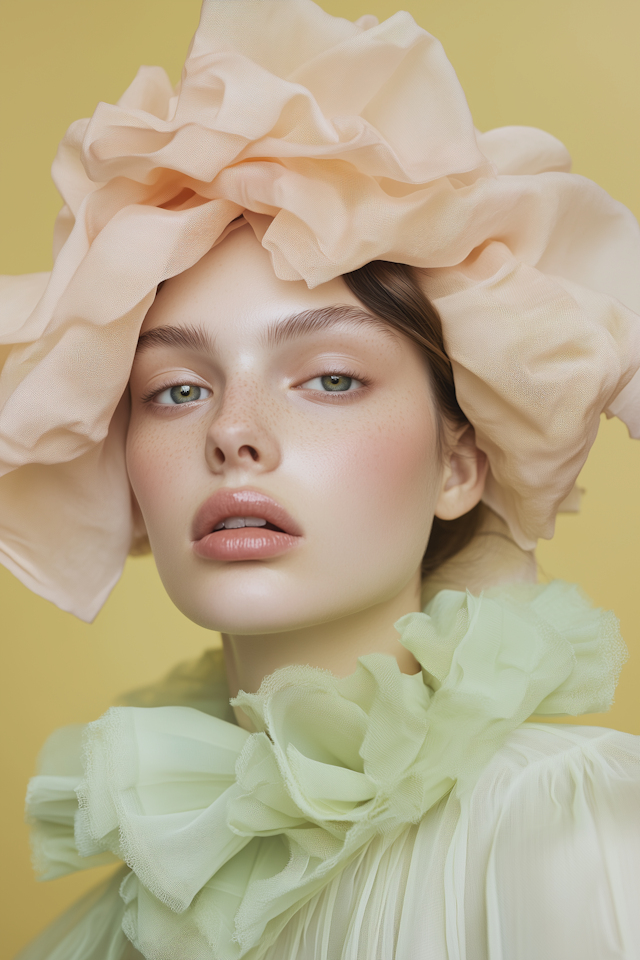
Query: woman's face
(282, 447)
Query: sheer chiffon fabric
(376, 816)
(339, 143)
(539, 861)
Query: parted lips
(340, 143)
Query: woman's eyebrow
(189, 337)
(313, 321)
(297, 325)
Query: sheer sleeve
(90, 930)
(553, 848)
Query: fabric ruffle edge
(339, 143)
(227, 833)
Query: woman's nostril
(223, 456)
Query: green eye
(182, 393)
(332, 383)
(335, 382)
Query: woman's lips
(250, 543)
(244, 542)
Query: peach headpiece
(340, 143)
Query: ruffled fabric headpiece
(340, 143)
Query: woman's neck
(333, 646)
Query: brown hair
(391, 292)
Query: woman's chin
(254, 612)
(245, 612)
(280, 596)
(225, 618)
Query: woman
(394, 806)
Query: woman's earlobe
(463, 477)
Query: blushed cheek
(380, 490)
(157, 472)
(404, 473)
(143, 458)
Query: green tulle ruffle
(227, 833)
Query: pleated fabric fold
(240, 844)
(338, 143)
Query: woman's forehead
(235, 284)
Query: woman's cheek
(376, 487)
(143, 453)
(403, 479)
(159, 466)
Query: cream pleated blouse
(376, 817)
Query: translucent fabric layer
(540, 860)
(366, 816)
(339, 143)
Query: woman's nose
(242, 436)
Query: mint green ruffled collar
(227, 833)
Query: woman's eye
(332, 383)
(182, 393)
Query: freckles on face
(159, 468)
(357, 469)
(374, 486)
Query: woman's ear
(464, 474)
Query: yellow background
(569, 66)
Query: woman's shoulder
(542, 749)
(550, 841)
(546, 767)
(540, 742)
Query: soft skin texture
(360, 472)
(341, 143)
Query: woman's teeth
(233, 523)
